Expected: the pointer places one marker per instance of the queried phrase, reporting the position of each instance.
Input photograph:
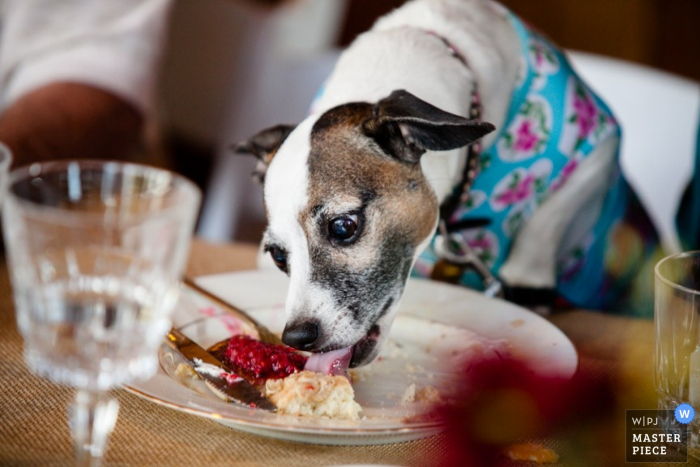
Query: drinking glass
(677, 328)
(5, 161)
(95, 250)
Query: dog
(393, 148)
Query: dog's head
(349, 210)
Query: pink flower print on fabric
(586, 114)
(520, 190)
(522, 186)
(484, 244)
(520, 193)
(584, 120)
(526, 139)
(544, 62)
(528, 134)
(480, 243)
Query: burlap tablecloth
(34, 431)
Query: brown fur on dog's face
(349, 172)
(395, 208)
(358, 165)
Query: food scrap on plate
(315, 394)
(318, 386)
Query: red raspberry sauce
(258, 361)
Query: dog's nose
(300, 335)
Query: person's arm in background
(69, 120)
(78, 76)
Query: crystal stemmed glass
(5, 161)
(95, 251)
(677, 335)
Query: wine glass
(5, 161)
(677, 335)
(95, 252)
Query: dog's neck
(380, 61)
(409, 58)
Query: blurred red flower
(500, 402)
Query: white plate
(437, 326)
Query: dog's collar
(450, 244)
(451, 48)
(460, 194)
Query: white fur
(380, 62)
(561, 220)
(286, 184)
(286, 188)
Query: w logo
(684, 413)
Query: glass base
(92, 417)
(670, 403)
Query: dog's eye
(279, 256)
(343, 228)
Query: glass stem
(92, 416)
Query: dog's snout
(300, 335)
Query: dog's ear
(406, 126)
(263, 145)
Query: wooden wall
(660, 33)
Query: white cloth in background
(114, 45)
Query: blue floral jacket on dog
(554, 122)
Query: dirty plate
(438, 326)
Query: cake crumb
(411, 368)
(410, 394)
(315, 394)
(428, 394)
(356, 375)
